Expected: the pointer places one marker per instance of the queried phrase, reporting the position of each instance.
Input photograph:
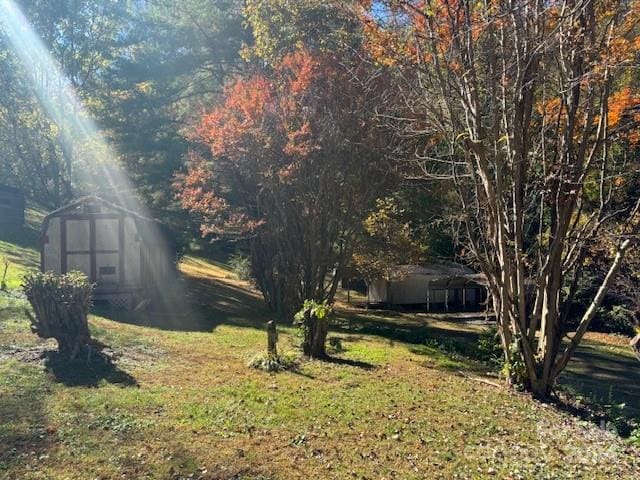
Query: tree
(295, 163)
(313, 320)
(42, 153)
(140, 70)
(281, 27)
(180, 56)
(516, 105)
(387, 241)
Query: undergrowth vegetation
(274, 363)
(240, 265)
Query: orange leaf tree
(524, 107)
(294, 162)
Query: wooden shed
(444, 287)
(128, 257)
(12, 205)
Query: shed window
(107, 270)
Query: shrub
(60, 306)
(273, 363)
(516, 370)
(241, 266)
(4, 268)
(488, 348)
(616, 415)
(454, 348)
(617, 319)
(336, 344)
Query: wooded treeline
(329, 136)
(142, 69)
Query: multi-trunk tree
(517, 105)
(293, 161)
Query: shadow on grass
(74, 373)
(26, 236)
(604, 378)
(400, 327)
(347, 362)
(202, 303)
(196, 305)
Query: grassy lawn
(18, 246)
(180, 402)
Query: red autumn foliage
(260, 129)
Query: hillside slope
(19, 246)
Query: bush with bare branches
(60, 307)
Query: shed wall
(132, 253)
(115, 248)
(108, 264)
(80, 262)
(51, 252)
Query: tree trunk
(315, 335)
(272, 339)
(635, 345)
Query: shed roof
(152, 231)
(442, 271)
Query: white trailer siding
(433, 286)
(377, 291)
(410, 290)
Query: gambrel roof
(150, 230)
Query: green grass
(19, 247)
(19, 260)
(382, 411)
(181, 402)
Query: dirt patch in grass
(107, 364)
(27, 354)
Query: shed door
(94, 246)
(76, 246)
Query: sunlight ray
(96, 169)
